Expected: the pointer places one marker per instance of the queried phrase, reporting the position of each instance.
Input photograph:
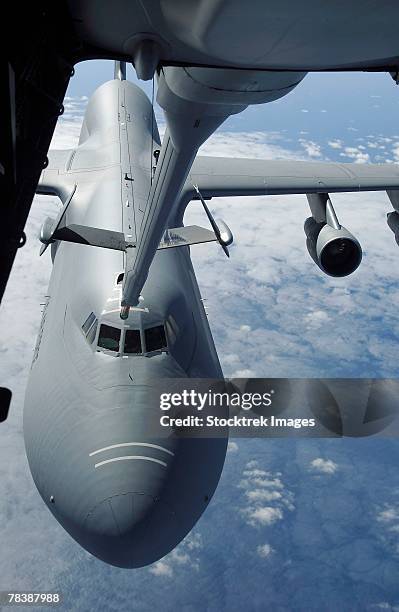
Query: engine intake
(335, 250)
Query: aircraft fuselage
(126, 496)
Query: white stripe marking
(105, 312)
(147, 444)
(131, 457)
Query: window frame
(86, 321)
(92, 333)
(123, 328)
(159, 350)
(103, 349)
(134, 329)
(89, 332)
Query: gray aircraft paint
(132, 502)
(272, 34)
(127, 498)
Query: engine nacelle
(335, 250)
(225, 234)
(46, 231)
(393, 223)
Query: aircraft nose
(120, 529)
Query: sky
(294, 524)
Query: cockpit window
(89, 327)
(89, 322)
(109, 337)
(132, 341)
(91, 334)
(155, 338)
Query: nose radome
(116, 516)
(120, 530)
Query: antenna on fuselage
(120, 71)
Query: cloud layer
(272, 313)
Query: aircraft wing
(51, 182)
(222, 176)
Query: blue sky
(294, 525)
(325, 107)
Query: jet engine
(393, 223)
(333, 248)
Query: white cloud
(317, 318)
(183, 556)
(161, 568)
(194, 541)
(263, 515)
(335, 144)
(268, 482)
(263, 495)
(356, 154)
(260, 478)
(254, 145)
(262, 278)
(231, 359)
(180, 558)
(254, 471)
(269, 281)
(311, 148)
(390, 514)
(265, 550)
(232, 447)
(266, 498)
(244, 373)
(323, 466)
